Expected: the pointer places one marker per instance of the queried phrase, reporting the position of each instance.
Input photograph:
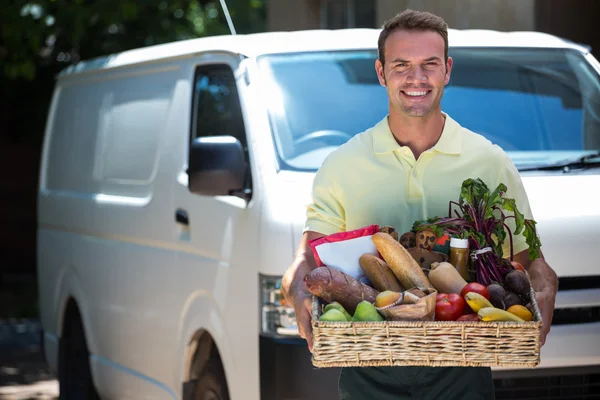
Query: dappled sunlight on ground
(43, 390)
(24, 374)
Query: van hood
(298, 189)
(567, 213)
(283, 215)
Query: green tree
(40, 38)
(47, 32)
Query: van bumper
(286, 372)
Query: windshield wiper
(577, 163)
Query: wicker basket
(426, 343)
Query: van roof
(256, 44)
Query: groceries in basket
(445, 269)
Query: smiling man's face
(415, 72)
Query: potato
(425, 258)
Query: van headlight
(278, 318)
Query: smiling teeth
(416, 93)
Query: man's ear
(380, 73)
(448, 69)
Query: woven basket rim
(337, 364)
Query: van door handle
(181, 217)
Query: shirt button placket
(415, 190)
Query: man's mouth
(416, 93)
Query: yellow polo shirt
(371, 179)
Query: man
(406, 168)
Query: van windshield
(542, 106)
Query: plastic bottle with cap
(459, 256)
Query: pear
(366, 311)
(337, 306)
(333, 315)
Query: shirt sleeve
(509, 176)
(325, 213)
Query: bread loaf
(379, 273)
(402, 264)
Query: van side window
(106, 133)
(216, 105)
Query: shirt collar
(450, 142)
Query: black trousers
(418, 383)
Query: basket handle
(315, 308)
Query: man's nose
(417, 75)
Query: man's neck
(417, 133)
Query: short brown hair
(413, 20)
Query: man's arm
(294, 288)
(543, 278)
(545, 285)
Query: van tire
(212, 384)
(75, 377)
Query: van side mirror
(217, 167)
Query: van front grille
(560, 387)
(579, 282)
(576, 315)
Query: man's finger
(546, 317)
(301, 329)
(303, 317)
(304, 327)
(308, 304)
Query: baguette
(332, 285)
(402, 264)
(379, 273)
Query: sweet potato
(331, 285)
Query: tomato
(448, 306)
(468, 317)
(477, 288)
(517, 265)
(443, 239)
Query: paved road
(24, 374)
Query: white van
(173, 187)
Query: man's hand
(295, 290)
(545, 285)
(545, 300)
(303, 307)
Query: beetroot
(516, 281)
(481, 218)
(511, 298)
(497, 294)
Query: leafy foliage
(61, 32)
(40, 38)
(481, 217)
